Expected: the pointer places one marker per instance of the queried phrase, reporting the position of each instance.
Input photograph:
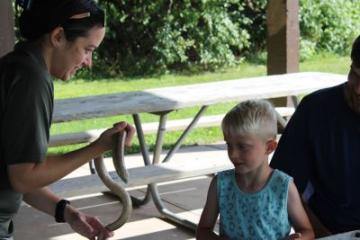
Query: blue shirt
(321, 146)
(261, 215)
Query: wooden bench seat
(139, 176)
(148, 128)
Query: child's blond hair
(256, 117)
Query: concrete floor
(186, 198)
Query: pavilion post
(7, 35)
(282, 19)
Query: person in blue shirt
(253, 200)
(320, 149)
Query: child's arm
(297, 214)
(209, 215)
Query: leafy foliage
(329, 26)
(156, 36)
(151, 37)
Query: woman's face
(68, 57)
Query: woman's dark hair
(42, 16)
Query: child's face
(249, 152)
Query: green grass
(79, 87)
(326, 63)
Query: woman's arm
(27, 177)
(205, 229)
(88, 226)
(297, 214)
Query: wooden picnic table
(178, 97)
(161, 101)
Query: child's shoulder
(280, 177)
(225, 177)
(281, 174)
(226, 173)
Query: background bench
(149, 128)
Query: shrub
(330, 25)
(151, 37)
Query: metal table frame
(152, 189)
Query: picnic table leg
(282, 122)
(144, 150)
(169, 215)
(145, 154)
(153, 187)
(160, 137)
(185, 133)
(294, 101)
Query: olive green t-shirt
(26, 106)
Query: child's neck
(254, 181)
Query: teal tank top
(261, 215)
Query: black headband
(66, 7)
(41, 16)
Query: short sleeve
(26, 117)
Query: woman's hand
(106, 138)
(87, 226)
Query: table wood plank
(172, 98)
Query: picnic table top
(177, 97)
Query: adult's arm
(88, 226)
(27, 177)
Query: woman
(59, 38)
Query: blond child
(253, 200)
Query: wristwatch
(60, 210)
